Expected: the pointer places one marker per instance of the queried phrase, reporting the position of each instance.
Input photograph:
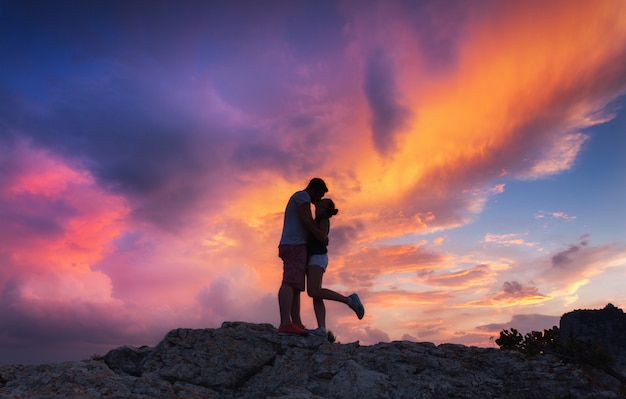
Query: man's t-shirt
(294, 232)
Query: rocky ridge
(604, 327)
(245, 360)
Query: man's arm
(304, 212)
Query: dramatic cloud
(147, 155)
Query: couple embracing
(303, 251)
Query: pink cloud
(70, 221)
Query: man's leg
(285, 303)
(295, 308)
(294, 262)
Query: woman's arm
(304, 212)
(324, 224)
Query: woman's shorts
(319, 260)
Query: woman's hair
(329, 205)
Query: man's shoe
(291, 329)
(299, 325)
(355, 304)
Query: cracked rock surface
(246, 360)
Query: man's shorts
(319, 260)
(294, 265)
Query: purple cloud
(562, 258)
(389, 116)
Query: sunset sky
(475, 150)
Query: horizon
(148, 150)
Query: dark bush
(567, 349)
(510, 340)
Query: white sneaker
(318, 332)
(355, 304)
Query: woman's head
(326, 206)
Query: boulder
(604, 328)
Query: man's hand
(306, 218)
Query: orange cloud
(363, 266)
(478, 276)
(522, 86)
(510, 104)
(507, 240)
(511, 294)
(399, 299)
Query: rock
(245, 360)
(605, 328)
(126, 359)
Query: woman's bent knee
(314, 292)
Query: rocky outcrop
(243, 360)
(604, 328)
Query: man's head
(316, 189)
